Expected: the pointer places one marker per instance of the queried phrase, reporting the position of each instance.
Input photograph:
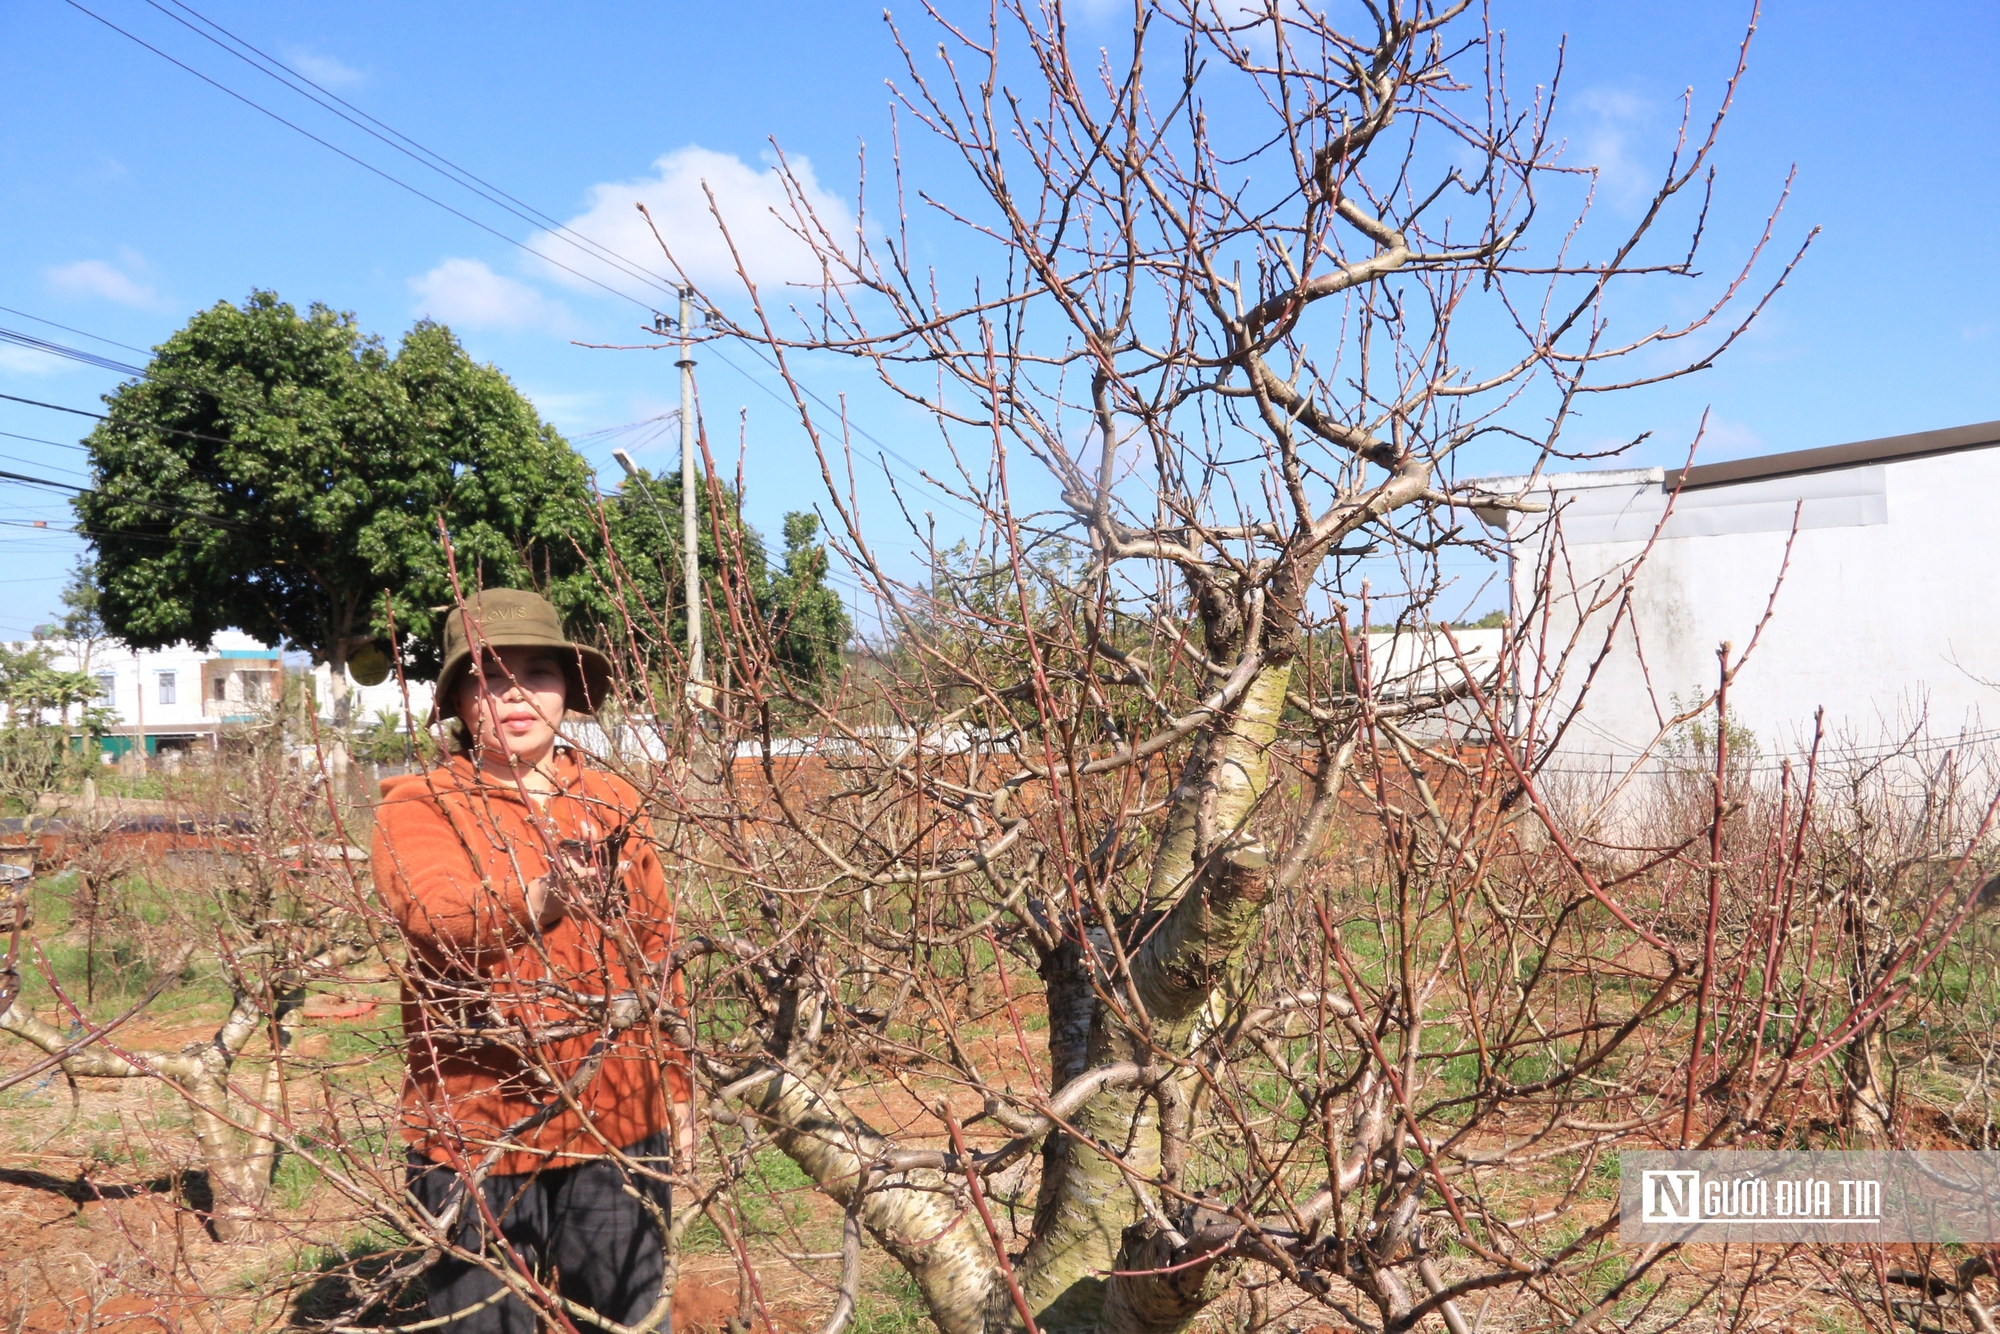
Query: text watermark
(1809, 1195)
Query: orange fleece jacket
(454, 852)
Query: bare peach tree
(1334, 1009)
(276, 909)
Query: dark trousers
(575, 1229)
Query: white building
(1884, 616)
(1419, 667)
(186, 696)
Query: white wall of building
(1411, 665)
(190, 691)
(367, 703)
(1884, 617)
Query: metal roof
(1829, 458)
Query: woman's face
(513, 707)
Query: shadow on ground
(375, 1284)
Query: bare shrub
(236, 884)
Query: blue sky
(132, 194)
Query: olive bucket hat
(515, 618)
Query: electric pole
(690, 530)
(691, 548)
(139, 668)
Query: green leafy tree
(805, 619)
(33, 686)
(285, 475)
(36, 751)
(643, 518)
(983, 601)
(808, 620)
(643, 609)
(81, 624)
(392, 740)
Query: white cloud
(100, 278)
(25, 361)
(465, 293)
(752, 202)
(1611, 119)
(326, 71)
(1246, 23)
(1725, 439)
(569, 410)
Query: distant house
(1886, 616)
(1440, 676)
(175, 698)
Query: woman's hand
(684, 1138)
(546, 905)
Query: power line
(605, 433)
(37, 440)
(364, 165)
(52, 407)
(57, 349)
(34, 463)
(35, 403)
(949, 500)
(215, 519)
(95, 338)
(34, 344)
(52, 528)
(144, 422)
(444, 166)
(167, 509)
(41, 481)
(395, 139)
(79, 412)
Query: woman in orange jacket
(543, 1102)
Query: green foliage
(33, 687)
(981, 600)
(37, 752)
(971, 642)
(280, 474)
(1690, 747)
(82, 621)
(773, 1197)
(329, 1282)
(391, 740)
(297, 1176)
(891, 1304)
(33, 760)
(285, 475)
(125, 958)
(644, 519)
(771, 1201)
(808, 621)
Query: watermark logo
(1670, 1196)
(1684, 1196)
(1809, 1196)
